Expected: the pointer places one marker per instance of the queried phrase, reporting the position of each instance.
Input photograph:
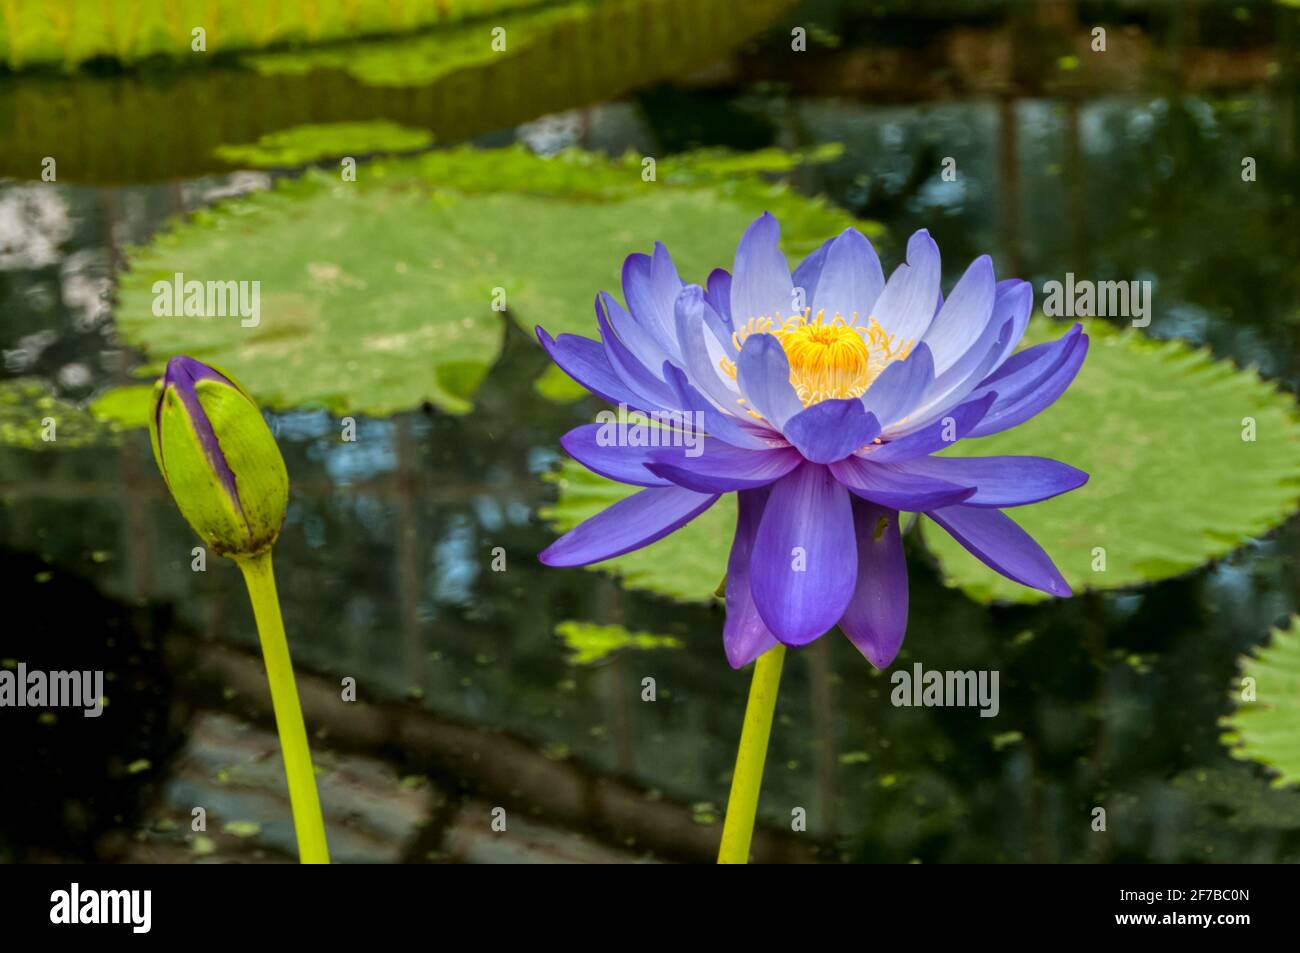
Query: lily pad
(73, 31)
(33, 418)
(589, 642)
(424, 59)
(1189, 459)
(1265, 726)
(379, 294)
(125, 407)
(1158, 424)
(311, 143)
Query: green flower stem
(308, 824)
(747, 780)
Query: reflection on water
(467, 699)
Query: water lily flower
(218, 458)
(826, 397)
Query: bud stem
(308, 824)
(747, 779)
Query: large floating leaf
(378, 294)
(72, 31)
(311, 143)
(1265, 726)
(1159, 426)
(420, 60)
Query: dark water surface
(468, 698)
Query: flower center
(829, 358)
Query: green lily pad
(1157, 424)
(424, 59)
(33, 418)
(1265, 726)
(311, 143)
(589, 642)
(558, 387)
(379, 294)
(1159, 427)
(73, 31)
(126, 407)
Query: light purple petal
(810, 269)
(586, 362)
(744, 635)
(760, 280)
(994, 539)
(718, 293)
(1017, 309)
(717, 424)
(1000, 481)
(590, 446)
(1006, 326)
(899, 387)
(721, 468)
(1006, 414)
(1022, 373)
(944, 432)
(831, 429)
(651, 285)
(955, 384)
(631, 523)
(851, 279)
(644, 345)
(763, 373)
(691, 329)
(964, 316)
(876, 618)
(639, 379)
(804, 566)
(906, 306)
(884, 484)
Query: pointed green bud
(219, 459)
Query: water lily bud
(219, 458)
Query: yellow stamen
(829, 358)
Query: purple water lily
(824, 397)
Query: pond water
(468, 697)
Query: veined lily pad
(1188, 458)
(1158, 424)
(379, 294)
(1265, 726)
(311, 143)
